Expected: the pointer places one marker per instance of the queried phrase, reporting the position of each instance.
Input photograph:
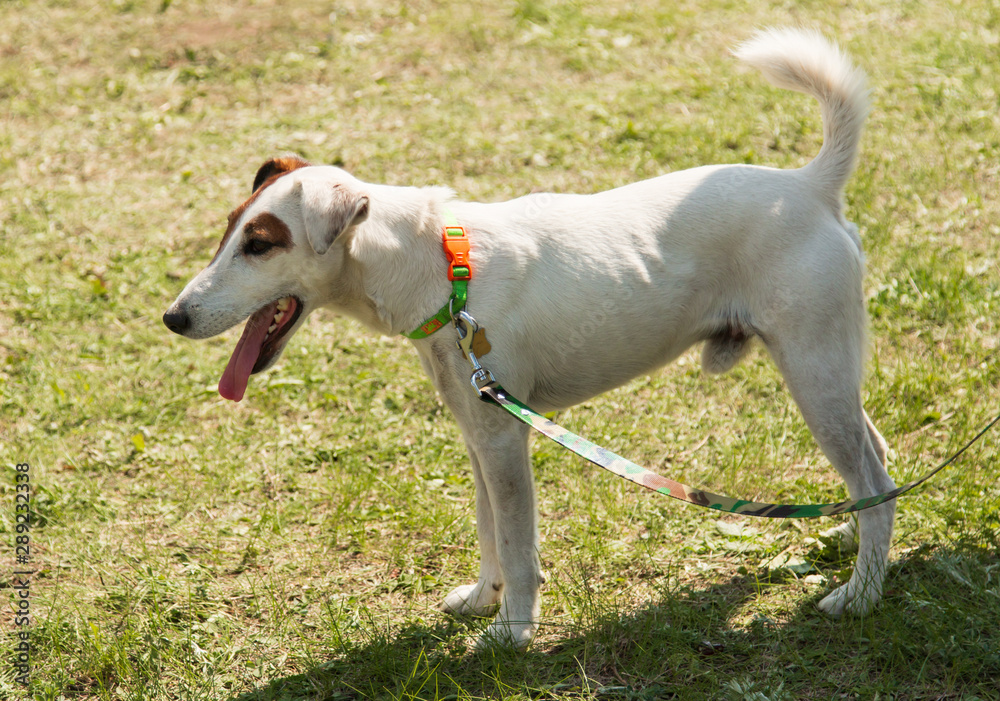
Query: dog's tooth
(271, 328)
(283, 304)
(278, 317)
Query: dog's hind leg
(878, 442)
(821, 360)
(874, 532)
(845, 535)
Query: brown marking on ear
(277, 166)
(268, 228)
(266, 175)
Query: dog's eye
(256, 247)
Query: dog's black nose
(177, 321)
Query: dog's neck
(395, 260)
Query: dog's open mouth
(262, 339)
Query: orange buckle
(456, 247)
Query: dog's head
(274, 264)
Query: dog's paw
(843, 537)
(507, 635)
(472, 600)
(848, 599)
(835, 603)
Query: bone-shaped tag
(480, 346)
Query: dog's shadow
(649, 651)
(437, 659)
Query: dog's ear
(276, 166)
(328, 210)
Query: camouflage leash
(489, 390)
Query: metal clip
(467, 327)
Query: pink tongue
(234, 380)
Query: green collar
(455, 241)
(455, 304)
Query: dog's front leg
(506, 471)
(507, 525)
(481, 598)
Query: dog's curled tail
(805, 61)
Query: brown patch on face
(266, 175)
(267, 230)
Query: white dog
(579, 294)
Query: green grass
(295, 546)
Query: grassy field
(295, 546)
